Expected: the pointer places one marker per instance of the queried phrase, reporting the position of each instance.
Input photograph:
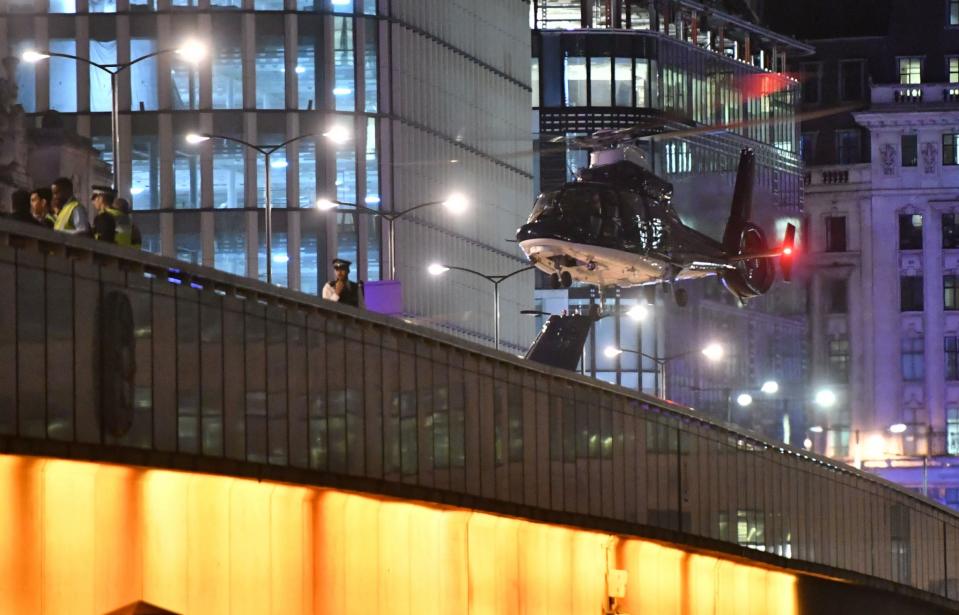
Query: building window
(951, 346)
(950, 153)
(848, 146)
(575, 82)
(270, 64)
(953, 12)
(913, 353)
(839, 360)
(910, 232)
(185, 81)
(835, 233)
(950, 298)
(837, 295)
(623, 82)
(600, 82)
(910, 71)
(101, 52)
(344, 64)
(186, 179)
(63, 6)
(228, 160)
(145, 163)
(953, 64)
(63, 76)
(559, 15)
(227, 66)
(812, 79)
(306, 54)
(950, 231)
(851, 80)
(910, 298)
(642, 84)
(910, 150)
(952, 430)
(143, 76)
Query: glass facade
(248, 89)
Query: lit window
(835, 233)
(227, 3)
(575, 82)
(910, 232)
(63, 6)
(145, 161)
(227, 67)
(910, 150)
(913, 353)
(910, 71)
(143, 75)
(623, 82)
(370, 68)
(140, 5)
(911, 298)
(186, 238)
(950, 298)
(642, 82)
(185, 78)
(952, 430)
(307, 51)
(839, 360)
(63, 76)
(373, 202)
(534, 71)
(228, 159)
(953, 69)
(343, 64)
(559, 15)
(278, 166)
(229, 242)
(270, 69)
(953, 12)
(103, 6)
(269, 5)
(186, 179)
(950, 151)
(101, 96)
(951, 347)
(26, 77)
(601, 82)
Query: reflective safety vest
(125, 235)
(64, 220)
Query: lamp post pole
(713, 352)
(267, 151)
(390, 216)
(495, 280)
(193, 52)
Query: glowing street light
(744, 399)
(455, 203)
(898, 428)
(338, 134)
(770, 387)
(825, 398)
(816, 429)
(191, 51)
(712, 352)
(437, 269)
(638, 313)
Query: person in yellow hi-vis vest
(71, 216)
(107, 204)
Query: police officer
(71, 216)
(104, 199)
(341, 289)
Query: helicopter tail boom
(741, 208)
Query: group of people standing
(58, 208)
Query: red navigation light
(787, 251)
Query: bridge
(175, 436)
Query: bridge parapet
(107, 353)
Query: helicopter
(615, 225)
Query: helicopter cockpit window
(544, 207)
(594, 209)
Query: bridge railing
(109, 349)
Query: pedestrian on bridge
(71, 216)
(341, 288)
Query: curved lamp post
(712, 351)
(456, 203)
(191, 51)
(337, 134)
(495, 280)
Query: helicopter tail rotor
(788, 252)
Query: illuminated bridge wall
(89, 538)
(115, 356)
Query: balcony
(840, 175)
(915, 94)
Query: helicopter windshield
(544, 206)
(593, 208)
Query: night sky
(812, 19)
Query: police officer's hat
(340, 263)
(102, 190)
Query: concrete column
(934, 317)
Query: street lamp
(456, 203)
(337, 134)
(437, 269)
(712, 351)
(192, 51)
(825, 398)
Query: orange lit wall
(84, 538)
